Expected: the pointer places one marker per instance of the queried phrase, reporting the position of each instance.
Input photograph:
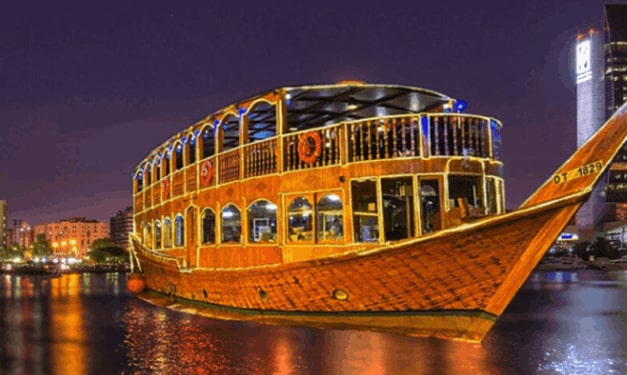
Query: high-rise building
(615, 56)
(615, 96)
(3, 224)
(26, 235)
(73, 237)
(121, 225)
(589, 68)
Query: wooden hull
(451, 284)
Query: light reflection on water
(559, 323)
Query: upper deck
(306, 127)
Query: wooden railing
(260, 158)
(229, 166)
(383, 138)
(330, 139)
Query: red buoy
(136, 283)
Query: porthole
(263, 295)
(340, 295)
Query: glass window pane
(330, 221)
(300, 220)
(365, 214)
(231, 224)
(262, 222)
(209, 227)
(179, 226)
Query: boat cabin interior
(300, 172)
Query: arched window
(157, 169)
(329, 219)
(147, 169)
(230, 132)
(166, 164)
(208, 144)
(208, 227)
(178, 156)
(148, 235)
(300, 219)
(231, 224)
(140, 181)
(167, 232)
(179, 230)
(157, 234)
(191, 149)
(262, 222)
(261, 122)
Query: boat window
(178, 157)
(261, 122)
(140, 181)
(465, 192)
(231, 224)
(398, 207)
(262, 222)
(157, 234)
(179, 229)
(157, 171)
(430, 217)
(166, 164)
(167, 232)
(191, 149)
(329, 218)
(147, 168)
(495, 129)
(230, 132)
(300, 219)
(208, 226)
(148, 235)
(208, 145)
(365, 214)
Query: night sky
(88, 90)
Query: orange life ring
(309, 147)
(165, 187)
(206, 172)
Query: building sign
(584, 72)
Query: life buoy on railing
(309, 147)
(206, 172)
(165, 187)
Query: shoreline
(60, 269)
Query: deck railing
(260, 158)
(426, 135)
(330, 138)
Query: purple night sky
(88, 89)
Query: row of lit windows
(326, 216)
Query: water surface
(559, 323)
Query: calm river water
(559, 323)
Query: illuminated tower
(615, 96)
(589, 66)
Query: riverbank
(575, 263)
(61, 268)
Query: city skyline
(87, 92)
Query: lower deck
(271, 220)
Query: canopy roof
(309, 106)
